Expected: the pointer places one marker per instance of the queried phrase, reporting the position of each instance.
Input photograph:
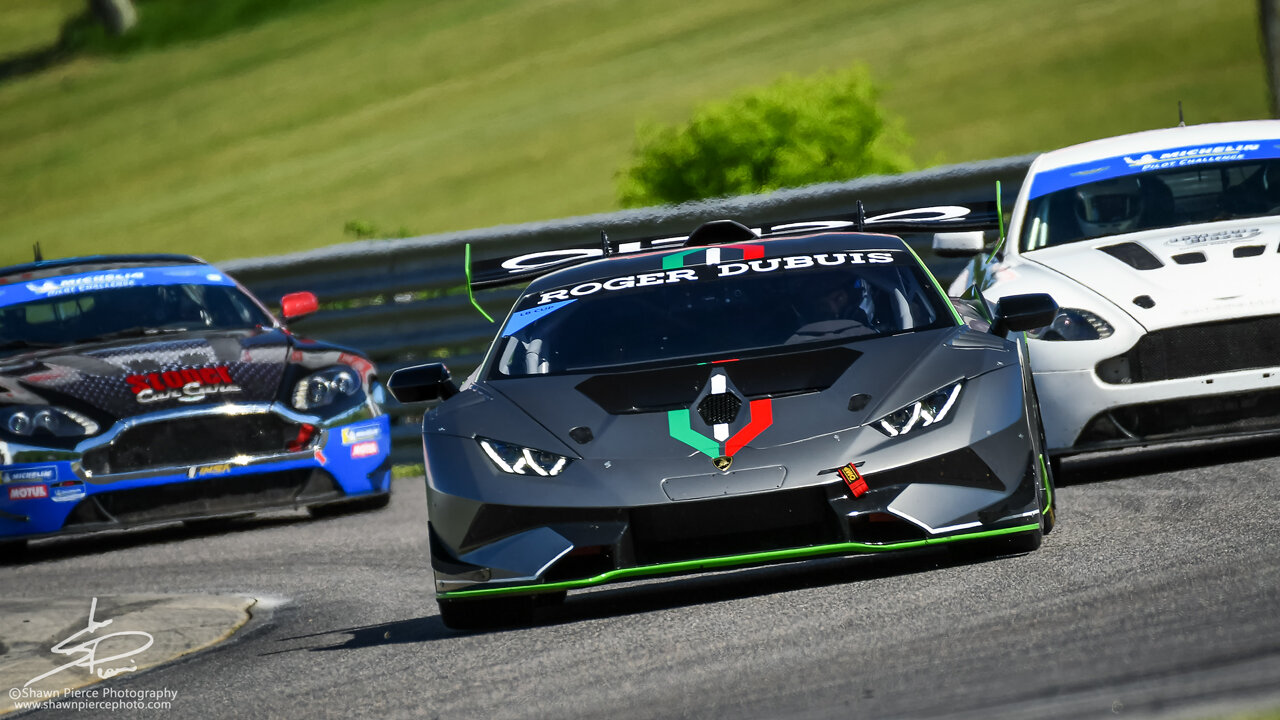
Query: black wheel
(487, 613)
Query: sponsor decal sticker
(110, 280)
(184, 385)
(209, 470)
(28, 492)
(353, 435)
(1214, 238)
(364, 450)
(717, 270)
(69, 491)
(1106, 168)
(857, 485)
(36, 473)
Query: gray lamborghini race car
(726, 400)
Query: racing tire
(488, 613)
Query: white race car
(1161, 250)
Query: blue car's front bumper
(58, 492)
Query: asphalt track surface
(1157, 596)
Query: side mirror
(299, 304)
(1023, 312)
(420, 383)
(959, 244)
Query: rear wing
(934, 219)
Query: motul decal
(185, 385)
(364, 450)
(28, 492)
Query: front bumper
(504, 549)
(1082, 414)
(48, 492)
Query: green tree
(796, 131)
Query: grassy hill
(434, 115)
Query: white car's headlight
(1073, 324)
(325, 387)
(928, 410)
(26, 421)
(520, 460)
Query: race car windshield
(1166, 198)
(696, 314)
(124, 312)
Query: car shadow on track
(1121, 464)
(651, 596)
(111, 540)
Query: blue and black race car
(144, 388)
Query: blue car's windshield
(60, 311)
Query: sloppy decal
(28, 492)
(185, 385)
(1106, 168)
(111, 279)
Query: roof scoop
(720, 232)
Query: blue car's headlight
(1073, 324)
(926, 411)
(520, 460)
(325, 387)
(28, 421)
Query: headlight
(924, 412)
(1073, 324)
(325, 387)
(28, 421)
(520, 460)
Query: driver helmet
(1109, 207)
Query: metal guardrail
(404, 301)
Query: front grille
(1213, 415)
(1195, 350)
(192, 441)
(720, 408)
(734, 525)
(211, 496)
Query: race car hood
(762, 401)
(1178, 276)
(126, 378)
